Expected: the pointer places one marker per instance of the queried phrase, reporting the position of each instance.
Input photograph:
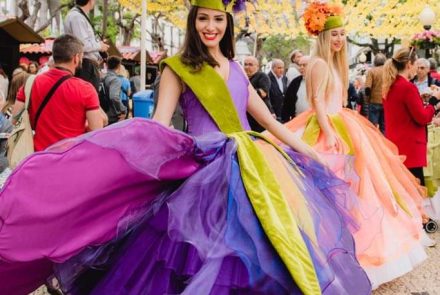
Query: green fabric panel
(268, 201)
(211, 90)
(313, 130)
(260, 183)
(333, 22)
(212, 4)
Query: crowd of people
(281, 183)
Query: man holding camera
(78, 24)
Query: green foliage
(280, 46)
(97, 18)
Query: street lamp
(362, 58)
(427, 18)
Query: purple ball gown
(138, 208)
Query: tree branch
(369, 45)
(52, 15)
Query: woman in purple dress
(162, 212)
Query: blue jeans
(375, 115)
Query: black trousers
(89, 72)
(418, 172)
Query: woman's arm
(414, 103)
(170, 88)
(261, 114)
(318, 76)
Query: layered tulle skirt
(390, 198)
(138, 208)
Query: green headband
(211, 4)
(333, 21)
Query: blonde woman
(388, 243)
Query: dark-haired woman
(33, 68)
(162, 212)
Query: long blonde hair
(337, 65)
(395, 65)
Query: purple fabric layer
(199, 122)
(80, 191)
(196, 228)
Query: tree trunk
(127, 30)
(55, 13)
(104, 17)
(32, 20)
(374, 45)
(43, 15)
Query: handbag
(21, 141)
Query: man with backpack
(61, 105)
(110, 92)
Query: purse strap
(27, 90)
(48, 97)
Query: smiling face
(211, 26)
(337, 39)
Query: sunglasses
(248, 64)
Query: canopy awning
(19, 31)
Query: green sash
(260, 183)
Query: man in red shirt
(73, 108)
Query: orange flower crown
(320, 17)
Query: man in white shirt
(78, 24)
(278, 86)
(296, 100)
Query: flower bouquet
(426, 40)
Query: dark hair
(65, 47)
(2, 72)
(35, 64)
(82, 2)
(113, 62)
(379, 59)
(18, 80)
(195, 53)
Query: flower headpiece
(222, 5)
(320, 17)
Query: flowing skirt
(138, 208)
(390, 198)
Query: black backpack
(104, 96)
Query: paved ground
(424, 280)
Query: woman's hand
(436, 121)
(331, 141)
